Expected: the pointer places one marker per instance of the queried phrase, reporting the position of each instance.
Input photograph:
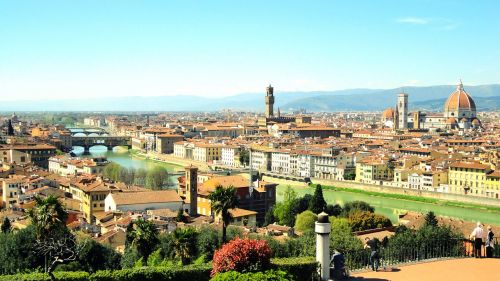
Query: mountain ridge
(341, 100)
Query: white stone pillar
(323, 229)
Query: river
(392, 207)
(124, 158)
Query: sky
(93, 48)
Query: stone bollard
(323, 229)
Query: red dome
(459, 99)
(388, 113)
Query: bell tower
(192, 189)
(402, 109)
(269, 101)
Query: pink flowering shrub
(242, 255)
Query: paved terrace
(469, 269)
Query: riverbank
(392, 206)
(416, 199)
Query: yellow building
(468, 178)
(208, 153)
(493, 184)
(369, 170)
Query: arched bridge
(88, 131)
(108, 141)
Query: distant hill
(432, 97)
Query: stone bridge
(108, 141)
(88, 131)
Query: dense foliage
(269, 275)
(242, 255)
(156, 178)
(317, 204)
(305, 221)
(363, 220)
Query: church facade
(459, 113)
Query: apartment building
(230, 156)
(208, 153)
(468, 178)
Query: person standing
(374, 256)
(489, 243)
(477, 236)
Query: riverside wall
(395, 190)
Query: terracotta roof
(237, 213)
(145, 197)
(470, 165)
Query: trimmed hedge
(269, 275)
(66, 276)
(184, 273)
(301, 268)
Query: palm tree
(48, 216)
(144, 236)
(184, 244)
(223, 200)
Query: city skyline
(105, 48)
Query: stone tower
(192, 189)
(402, 109)
(269, 101)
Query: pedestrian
(374, 256)
(489, 243)
(477, 236)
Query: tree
(6, 226)
(113, 171)
(94, 256)
(244, 157)
(305, 221)
(156, 178)
(284, 212)
(184, 244)
(430, 219)
(53, 239)
(223, 200)
(341, 237)
(18, 253)
(333, 210)
(144, 236)
(269, 218)
(317, 203)
(363, 220)
(303, 203)
(48, 216)
(350, 176)
(10, 129)
(356, 206)
(207, 241)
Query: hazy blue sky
(52, 49)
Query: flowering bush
(242, 255)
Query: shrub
(269, 275)
(184, 273)
(341, 237)
(65, 276)
(363, 220)
(354, 206)
(300, 269)
(305, 221)
(242, 255)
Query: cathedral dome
(476, 122)
(388, 113)
(459, 100)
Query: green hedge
(66, 276)
(301, 268)
(270, 275)
(185, 273)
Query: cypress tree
(6, 226)
(317, 203)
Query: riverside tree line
(156, 178)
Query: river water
(392, 207)
(124, 158)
